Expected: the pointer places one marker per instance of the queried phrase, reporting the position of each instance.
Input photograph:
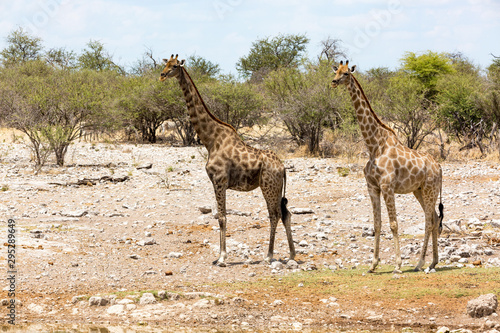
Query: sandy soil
(148, 233)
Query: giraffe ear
(182, 62)
(353, 69)
(165, 60)
(335, 68)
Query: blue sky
(374, 32)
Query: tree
(61, 58)
(147, 103)
(50, 105)
(305, 102)
(199, 66)
(21, 47)
(269, 54)
(233, 102)
(95, 57)
(147, 64)
(331, 50)
(427, 68)
(460, 108)
(407, 108)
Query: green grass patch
(445, 283)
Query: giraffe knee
(394, 227)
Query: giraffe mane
(381, 123)
(203, 102)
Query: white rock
(482, 306)
(302, 211)
(303, 243)
(175, 255)
(117, 309)
(202, 304)
(147, 298)
(276, 265)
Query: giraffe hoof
(371, 271)
(219, 263)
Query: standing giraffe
(232, 164)
(394, 168)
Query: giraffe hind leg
(287, 221)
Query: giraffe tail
(441, 207)
(285, 214)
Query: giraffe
(232, 164)
(394, 168)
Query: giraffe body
(394, 168)
(232, 164)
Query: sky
(375, 33)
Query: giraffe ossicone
(232, 164)
(394, 168)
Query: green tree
(50, 105)
(199, 66)
(61, 58)
(269, 54)
(305, 102)
(460, 108)
(427, 68)
(95, 57)
(21, 47)
(233, 102)
(147, 103)
(407, 108)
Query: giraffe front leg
(287, 221)
(390, 203)
(377, 224)
(220, 195)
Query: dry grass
(448, 285)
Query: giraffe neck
(374, 131)
(204, 122)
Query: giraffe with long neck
(394, 168)
(232, 164)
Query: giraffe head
(172, 67)
(342, 74)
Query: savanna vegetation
(55, 96)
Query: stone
(175, 255)
(97, 301)
(292, 264)
(303, 243)
(75, 213)
(277, 302)
(76, 299)
(147, 298)
(202, 304)
(443, 329)
(173, 296)
(117, 309)
(301, 211)
(482, 306)
(276, 265)
(205, 209)
(147, 241)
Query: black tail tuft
(441, 215)
(284, 211)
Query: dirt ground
(77, 240)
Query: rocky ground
(95, 233)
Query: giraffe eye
(345, 74)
